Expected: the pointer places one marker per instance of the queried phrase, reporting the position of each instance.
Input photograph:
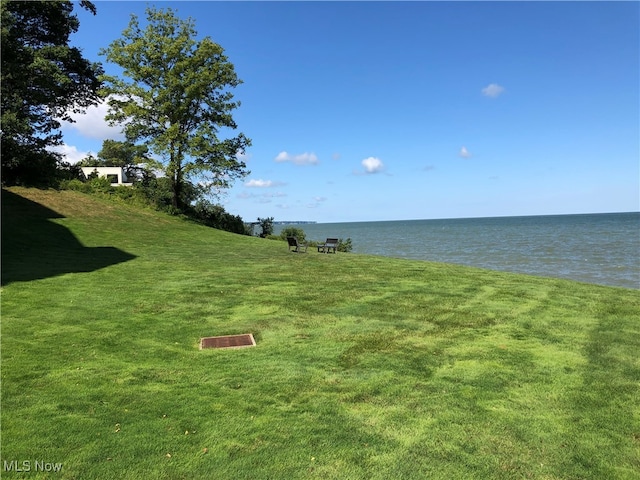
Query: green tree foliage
(160, 193)
(215, 216)
(44, 81)
(177, 100)
(89, 161)
(293, 232)
(122, 154)
(134, 158)
(266, 224)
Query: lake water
(594, 248)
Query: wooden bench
(297, 246)
(330, 244)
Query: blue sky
(389, 110)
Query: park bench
(296, 245)
(330, 244)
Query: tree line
(172, 102)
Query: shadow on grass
(34, 247)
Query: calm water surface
(594, 248)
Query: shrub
(215, 216)
(293, 232)
(100, 184)
(156, 193)
(75, 184)
(345, 245)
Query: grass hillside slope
(365, 367)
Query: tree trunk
(176, 186)
(176, 177)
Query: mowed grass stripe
(365, 367)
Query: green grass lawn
(365, 367)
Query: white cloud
(261, 198)
(301, 159)
(70, 153)
(492, 90)
(464, 153)
(259, 183)
(316, 202)
(372, 165)
(92, 124)
(283, 157)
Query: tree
(266, 224)
(44, 80)
(122, 154)
(133, 158)
(177, 101)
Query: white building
(115, 174)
